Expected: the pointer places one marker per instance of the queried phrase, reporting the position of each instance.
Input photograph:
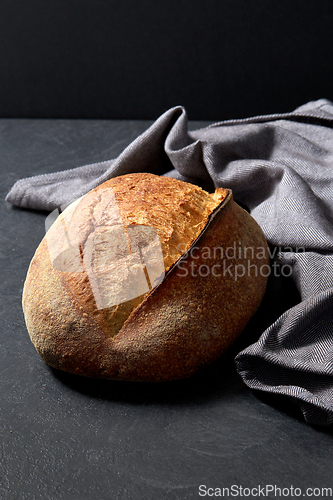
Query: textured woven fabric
(281, 167)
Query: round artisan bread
(144, 278)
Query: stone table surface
(64, 437)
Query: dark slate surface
(67, 437)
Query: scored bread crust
(184, 323)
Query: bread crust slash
(210, 289)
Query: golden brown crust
(176, 210)
(186, 322)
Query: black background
(135, 59)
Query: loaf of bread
(144, 278)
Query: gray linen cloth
(279, 166)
